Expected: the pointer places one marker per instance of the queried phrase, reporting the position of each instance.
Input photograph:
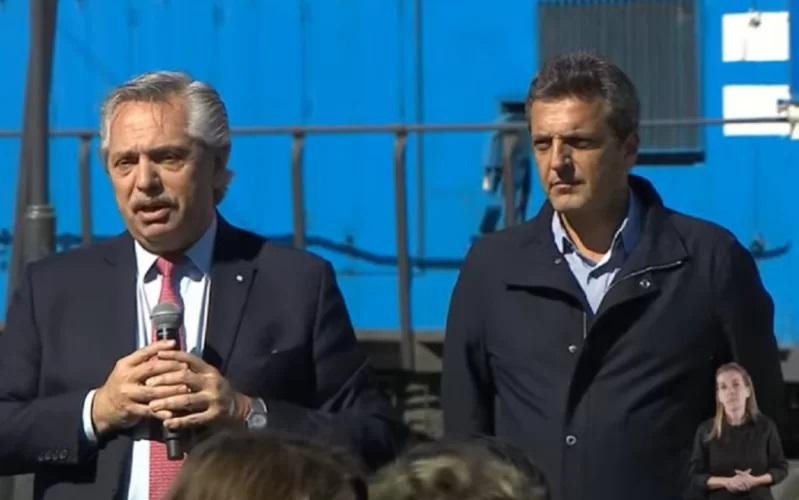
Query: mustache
(150, 203)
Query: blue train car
(311, 62)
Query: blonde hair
(243, 465)
(751, 411)
(456, 471)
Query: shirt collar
(199, 254)
(628, 233)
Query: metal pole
(42, 22)
(85, 190)
(430, 128)
(17, 261)
(34, 236)
(297, 193)
(420, 198)
(403, 259)
(39, 214)
(507, 181)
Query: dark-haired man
(589, 335)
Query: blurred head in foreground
(468, 470)
(265, 466)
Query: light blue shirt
(595, 278)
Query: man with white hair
(265, 339)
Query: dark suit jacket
(277, 328)
(606, 403)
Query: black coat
(277, 329)
(606, 403)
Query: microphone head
(166, 315)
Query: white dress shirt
(195, 285)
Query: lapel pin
(239, 278)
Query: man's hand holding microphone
(161, 381)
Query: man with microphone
(92, 379)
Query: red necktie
(162, 470)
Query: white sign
(754, 101)
(755, 36)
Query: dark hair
(240, 465)
(588, 76)
(460, 470)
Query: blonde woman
(737, 454)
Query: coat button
(571, 440)
(572, 349)
(644, 283)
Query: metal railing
(400, 133)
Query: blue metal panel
(793, 13)
(476, 57)
(320, 61)
(745, 184)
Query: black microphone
(167, 318)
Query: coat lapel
(536, 264)
(117, 288)
(115, 313)
(232, 275)
(660, 250)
